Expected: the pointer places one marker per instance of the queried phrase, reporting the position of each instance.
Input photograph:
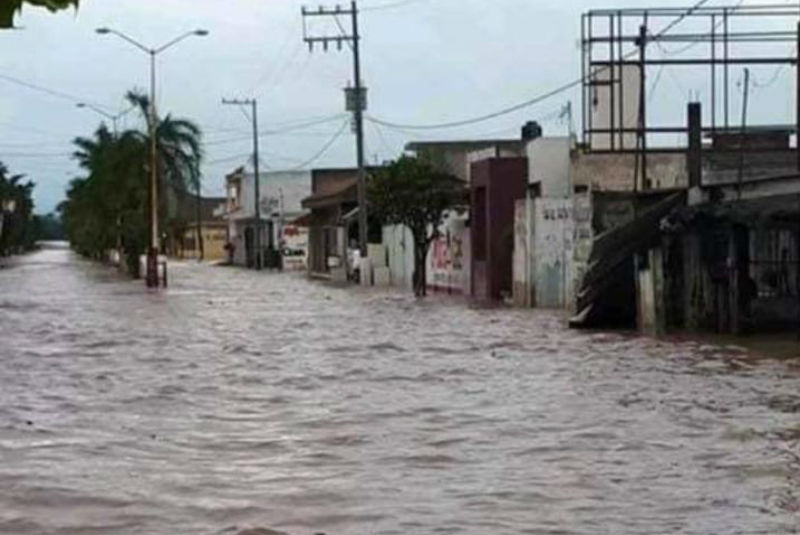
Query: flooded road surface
(238, 400)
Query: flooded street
(239, 400)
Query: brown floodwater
(238, 400)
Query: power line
(288, 129)
(325, 147)
(483, 118)
(535, 100)
(391, 5)
(229, 158)
(45, 90)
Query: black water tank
(531, 130)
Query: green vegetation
(411, 192)
(17, 225)
(107, 208)
(49, 227)
(9, 8)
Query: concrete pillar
(651, 305)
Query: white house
(281, 193)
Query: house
(697, 231)
(332, 222)
(449, 264)
(280, 197)
(205, 232)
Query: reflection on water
(238, 400)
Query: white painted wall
(549, 165)
(400, 247)
(448, 262)
(600, 106)
(554, 232)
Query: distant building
(187, 211)
(333, 222)
(281, 194)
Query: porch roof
(345, 192)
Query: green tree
(18, 232)
(179, 148)
(9, 8)
(411, 192)
(107, 208)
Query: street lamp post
(152, 250)
(111, 117)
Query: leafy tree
(411, 192)
(18, 231)
(179, 144)
(9, 8)
(107, 208)
(49, 227)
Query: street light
(112, 117)
(152, 252)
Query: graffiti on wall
(447, 261)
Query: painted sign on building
(448, 258)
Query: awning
(346, 192)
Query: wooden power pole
(253, 103)
(356, 97)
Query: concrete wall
(554, 230)
(448, 262)
(615, 172)
(549, 166)
(400, 247)
(583, 238)
(497, 184)
(625, 106)
(214, 240)
(524, 251)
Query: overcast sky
(424, 61)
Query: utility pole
(743, 133)
(356, 99)
(152, 277)
(253, 103)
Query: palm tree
(178, 144)
(104, 210)
(17, 230)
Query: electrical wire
(391, 5)
(689, 46)
(43, 89)
(228, 159)
(277, 132)
(540, 98)
(324, 148)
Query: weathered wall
(400, 247)
(554, 232)
(723, 168)
(625, 106)
(615, 172)
(583, 237)
(497, 184)
(549, 166)
(214, 239)
(449, 259)
(524, 251)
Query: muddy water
(237, 400)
